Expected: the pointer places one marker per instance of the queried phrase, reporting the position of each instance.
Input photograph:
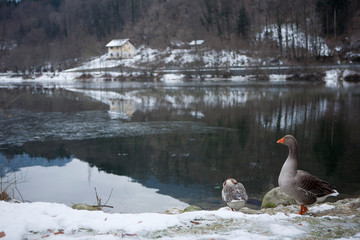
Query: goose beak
(280, 141)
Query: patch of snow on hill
(173, 58)
(316, 45)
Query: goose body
(234, 194)
(305, 188)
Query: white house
(197, 44)
(120, 48)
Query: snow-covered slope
(177, 58)
(291, 32)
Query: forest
(61, 33)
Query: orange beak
(280, 141)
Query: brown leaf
(59, 232)
(128, 235)
(2, 234)
(46, 236)
(194, 222)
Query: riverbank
(331, 78)
(182, 65)
(38, 220)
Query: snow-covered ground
(40, 220)
(179, 58)
(173, 60)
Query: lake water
(151, 147)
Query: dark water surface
(163, 146)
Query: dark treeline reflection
(192, 165)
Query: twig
(98, 200)
(97, 206)
(109, 197)
(19, 193)
(11, 101)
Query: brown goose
(234, 194)
(305, 188)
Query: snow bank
(335, 78)
(172, 78)
(332, 78)
(56, 221)
(323, 207)
(19, 221)
(39, 219)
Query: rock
(276, 197)
(4, 196)
(173, 211)
(83, 206)
(192, 208)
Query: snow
(323, 207)
(331, 78)
(315, 44)
(117, 42)
(278, 77)
(39, 219)
(348, 73)
(19, 219)
(170, 57)
(172, 78)
(197, 114)
(334, 78)
(172, 61)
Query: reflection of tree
(330, 145)
(45, 99)
(245, 123)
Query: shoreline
(330, 220)
(331, 78)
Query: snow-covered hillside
(171, 58)
(296, 38)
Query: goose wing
(313, 185)
(240, 192)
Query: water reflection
(73, 181)
(185, 141)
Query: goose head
(288, 140)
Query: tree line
(62, 32)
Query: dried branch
(98, 201)
(109, 197)
(7, 104)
